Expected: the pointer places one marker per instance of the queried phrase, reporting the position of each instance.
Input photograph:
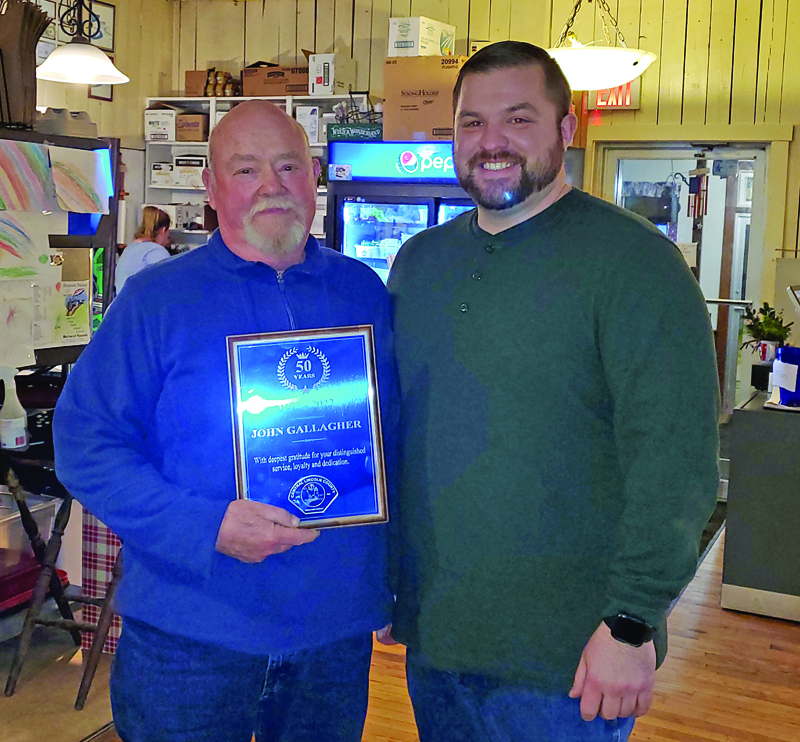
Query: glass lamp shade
(80, 62)
(600, 67)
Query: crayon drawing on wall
(73, 323)
(26, 182)
(82, 178)
(24, 242)
(16, 323)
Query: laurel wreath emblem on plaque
(303, 356)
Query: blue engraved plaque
(307, 431)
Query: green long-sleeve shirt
(560, 406)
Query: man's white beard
(282, 244)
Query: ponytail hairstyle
(153, 221)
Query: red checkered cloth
(100, 549)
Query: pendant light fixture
(598, 67)
(79, 61)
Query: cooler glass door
(452, 208)
(373, 231)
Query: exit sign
(623, 98)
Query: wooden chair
(48, 582)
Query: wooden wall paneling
(362, 29)
(628, 15)
(531, 21)
(220, 35)
(650, 20)
(791, 198)
(187, 42)
(306, 33)
(790, 114)
(584, 26)
(401, 9)
(764, 59)
(720, 59)
(479, 20)
(777, 68)
(458, 16)
(126, 119)
(324, 31)
(695, 84)
(261, 33)
(500, 20)
(745, 62)
(439, 10)
(177, 81)
(673, 60)
(162, 53)
(381, 12)
(286, 16)
(343, 27)
(790, 89)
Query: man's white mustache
(274, 202)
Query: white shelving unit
(162, 151)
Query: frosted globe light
(81, 63)
(600, 67)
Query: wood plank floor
(729, 677)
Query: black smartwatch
(629, 629)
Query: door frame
(773, 138)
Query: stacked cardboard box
(418, 93)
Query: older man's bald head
(251, 112)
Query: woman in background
(149, 245)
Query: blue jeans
(166, 688)
(452, 707)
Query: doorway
(708, 199)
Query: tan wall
(144, 52)
(720, 62)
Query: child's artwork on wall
(82, 178)
(26, 181)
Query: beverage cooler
(382, 193)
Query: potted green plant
(767, 330)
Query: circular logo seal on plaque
(313, 494)
(303, 369)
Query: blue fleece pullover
(144, 439)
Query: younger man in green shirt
(560, 404)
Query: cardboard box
(187, 176)
(161, 173)
(418, 103)
(309, 118)
(159, 123)
(415, 37)
(331, 74)
(275, 80)
(191, 127)
(475, 46)
(189, 160)
(194, 83)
